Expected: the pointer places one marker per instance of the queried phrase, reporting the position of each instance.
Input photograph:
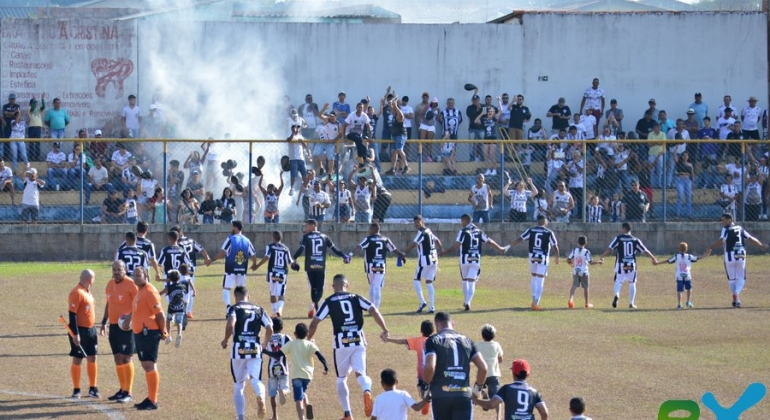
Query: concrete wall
(96, 242)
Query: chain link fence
(260, 181)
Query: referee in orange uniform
(120, 292)
(81, 323)
(149, 325)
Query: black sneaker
(309, 412)
(615, 302)
(93, 392)
(147, 405)
(733, 304)
(76, 393)
(467, 308)
(125, 398)
(143, 401)
(118, 395)
(422, 306)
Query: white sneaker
(291, 192)
(493, 173)
(486, 173)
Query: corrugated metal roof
(20, 12)
(292, 9)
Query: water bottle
(399, 262)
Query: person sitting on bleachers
(76, 167)
(98, 179)
(57, 168)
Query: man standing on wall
(132, 117)
(593, 99)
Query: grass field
(624, 363)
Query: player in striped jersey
(346, 311)
(244, 322)
(131, 255)
(145, 245)
(236, 250)
(733, 241)
(427, 262)
(193, 248)
(171, 257)
(541, 240)
(683, 276)
(375, 249)
(469, 240)
(626, 246)
(520, 399)
(277, 369)
(580, 259)
(278, 258)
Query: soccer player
(244, 322)
(237, 250)
(520, 399)
(683, 276)
(448, 359)
(417, 344)
(177, 290)
(131, 255)
(580, 259)
(121, 291)
(626, 246)
(346, 311)
(541, 240)
(577, 406)
(427, 262)
(469, 240)
(394, 404)
(172, 256)
(81, 324)
(314, 244)
(277, 369)
(149, 325)
(733, 241)
(376, 248)
(193, 248)
(144, 244)
(278, 258)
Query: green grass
(624, 363)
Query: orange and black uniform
(147, 334)
(120, 299)
(81, 322)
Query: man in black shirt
(171, 257)
(560, 113)
(644, 125)
(9, 113)
(448, 358)
(113, 208)
(131, 255)
(635, 204)
(520, 114)
(144, 244)
(475, 131)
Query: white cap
(97, 132)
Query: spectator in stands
(119, 161)
(480, 197)
(700, 108)
(146, 190)
(208, 208)
(386, 113)
(652, 107)
(734, 149)
(576, 172)
(562, 203)
(750, 117)
(763, 170)
(6, 181)
(622, 156)
(555, 160)
(595, 209)
(174, 181)
(18, 147)
(95, 148)
(577, 131)
(476, 130)
(132, 117)
(729, 196)
(408, 112)
(692, 126)
(675, 149)
(9, 114)
(76, 168)
(374, 117)
(541, 205)
(655, 153)
(725, 125)
(450, 119)
(520, 115)
(57, 119)
(588, 121)
(294, 119)
(504, 120)
(616, 113)
(666, 124)
(428, 127)
(340, 107)
(611, 124)
(305, 190)
(113, 208)
(398, 134)
(187, 209)
(158, 207)
(488, 120)
(364, 195)
(308, 111)
(538, 147)
(195, 185)
(98, 179)
(642, 168)
(727, 100)
(593, 99)
(708, 153)
(383, 200)
(329, 132)
(297, 153)
(644, 125)
(194, 161)
(128, 180)
(35, 126)
(753, 194)
(153, 126)
(560, 116)
(685, 177)
(30, 199)
(519, 197)
(635, 204)
(420, 110)
(57, 168)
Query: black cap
(475, 97)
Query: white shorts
(233, 280)
(350, 359)
(377, 279)
(470, 271)
(538, 269)
(277, 288)
(429, 128)
(629, 276)
(245, 369)
(735, 269)
(426, 273)
(274, 383)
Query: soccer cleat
(368, 403)
(425, 409)
(679, 306)
(689, 304)
(118, 395)
(421, 307)
(738, 304)
(311, 311)
(190, 315)
(615, 301)
(93, 392)
(535, 307)
(261, 407)
(146, 405)
(467, 307)
(589, 305)
(281, 396)
(126, 398)
(76, 393)
(178, 341)
(309, 411)
(278, 314)
(432, 310)
(631, 306)
(570, 304)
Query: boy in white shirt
(683, 262)
(393, 404)
(580, 259)
(577, 406)
(492, 353)
(30, 199)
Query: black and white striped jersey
(376, 248)
(595, 214)
(277, 367)
(426, 248)
(171, 257)
(470, 239)
(144, 244)
(249, 320)
(279, 258)
(626, 247)
(347, 313)
(133, 257)
(540, 240)
(734, 238)
(192, 248)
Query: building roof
(609, 6)
(320, 10)
(19, 12)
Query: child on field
(177, 290)
(492, 353)
(417, 344)
(277, 370)
(577, 407)
(300, 353)
(683, 262)
(580, 259)
(394, 404)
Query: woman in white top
(519, 196)
(541, 206)
(18, 147)
(480, 196)
(729, 196)
(562, 203)
(271, 195)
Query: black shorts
(493, 385)
(121, 342)
(88, 340)
(455, 408)
(147, 345)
